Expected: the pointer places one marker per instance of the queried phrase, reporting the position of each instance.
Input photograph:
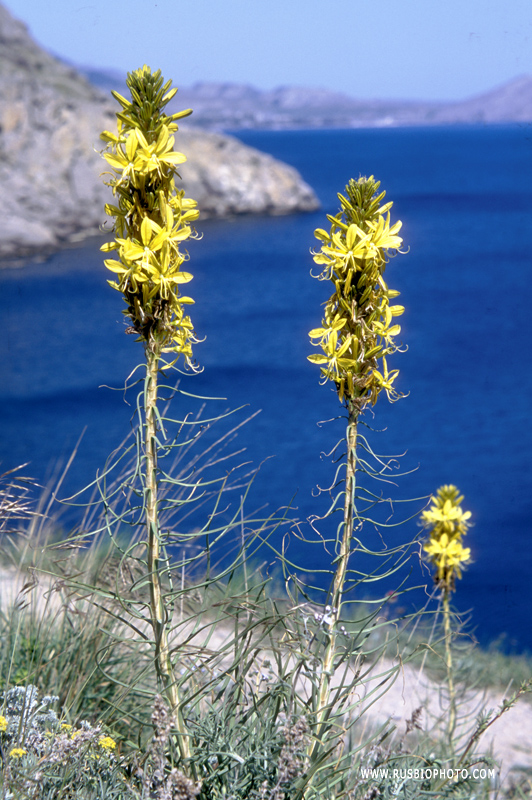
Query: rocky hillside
(229, 106)
(50, 121)
(511, 102)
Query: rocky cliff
(50, 121)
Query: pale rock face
(50, 168)
(228, 178)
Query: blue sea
(465, 198)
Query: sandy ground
(509, 738)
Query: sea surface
(465, 198)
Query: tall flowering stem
(447, 524)
(355, 338)
(152, 219)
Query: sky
(383, 49)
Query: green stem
(342, 560)
(158, 614)
(449, 665)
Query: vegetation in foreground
(152, 661)
(73, 725)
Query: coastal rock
(233, 179)
(50, 121)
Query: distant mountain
(511, 102)
(230, 106)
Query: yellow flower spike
(151, 217)
(3, 724)
(446, 524)
(357, 330)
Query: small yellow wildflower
(17, 752)
(3, 724)
(106, 743)
(66, 727)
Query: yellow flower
(445, 514)
(338, 355)
(383, 237)
(345, 249)
(123, 159)
(17, 752)
(385, 381)
(3, 724)
(154, 157)
(382, 326)
(447, 555)
(106, 743)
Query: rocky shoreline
(52, 192)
